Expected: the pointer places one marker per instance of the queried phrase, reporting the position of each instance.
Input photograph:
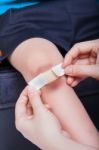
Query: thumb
(35, 100)
(83, 71)
(20, 109)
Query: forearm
(71, 113)
(63, 143)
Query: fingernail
(68, 70)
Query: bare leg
(39, 55)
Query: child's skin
(38, 55)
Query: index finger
(83, 48)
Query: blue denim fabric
(11, 85)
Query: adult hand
(40, 127)
(82, 61)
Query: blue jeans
(11, 85)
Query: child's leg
(38, 55)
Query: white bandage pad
(58, 70)
(47, 77)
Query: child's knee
(48, 56)
(42, 55)
(46, 65)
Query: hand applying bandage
(35, 126)
(82, 61)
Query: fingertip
(65, 63)
(70, 80)
(24, 92)
(67, 60)
(74, 83)
(69, 70)
(20, 108)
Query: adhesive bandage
(47, 77)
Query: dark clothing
(11, 84)
(64, 22)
